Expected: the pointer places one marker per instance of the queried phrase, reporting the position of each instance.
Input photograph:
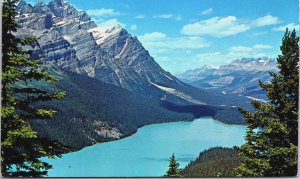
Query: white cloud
(187, 43)
(240, 49)
(257, 50)
(235, 52)
(168, 16)
(102, 12)
(210, 56)
(133, 27)
(193, 62)
(157, 42)
(265, 21)
(110, 23)
(207, 11)
(216, 27)
(290, 26)
(172, 53)
(154, 36)
(262, 46)
(141, 16)
(227, 26)
(260, 33)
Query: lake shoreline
(148, 149)
(126, 136)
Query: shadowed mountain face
(113, 85)
(240, 77)
(94, 111)
(69, 39)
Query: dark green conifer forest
(216, 161)
(21, 146)
(271, 147)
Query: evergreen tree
(213, 162)
(21, 147)
(174, 170)
(272, 129)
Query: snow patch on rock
(179, 94)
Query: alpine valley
(113, 84)
(239, 77)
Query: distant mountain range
(238, 77)
(113, 85)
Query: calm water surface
(146, 153)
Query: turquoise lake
(146, 153)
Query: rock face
(69, 39)
(106, 131)
(123, 61)
(240, 76)
(50, 24)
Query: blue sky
(187, 34)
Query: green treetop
(173, 170)
(21, 147)
(272, 129)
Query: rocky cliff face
(69, 39)
(50, 24)
(122, 60)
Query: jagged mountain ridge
(49, 24)
(238, 77)
(71, 40)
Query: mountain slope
(69, 39)
(240, 77)
(94, 111)
(113, 85)
(214, 162)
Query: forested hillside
(94, 111)
(217, 161)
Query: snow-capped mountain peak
(100, 34)
(69, 39)
(241, 76)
